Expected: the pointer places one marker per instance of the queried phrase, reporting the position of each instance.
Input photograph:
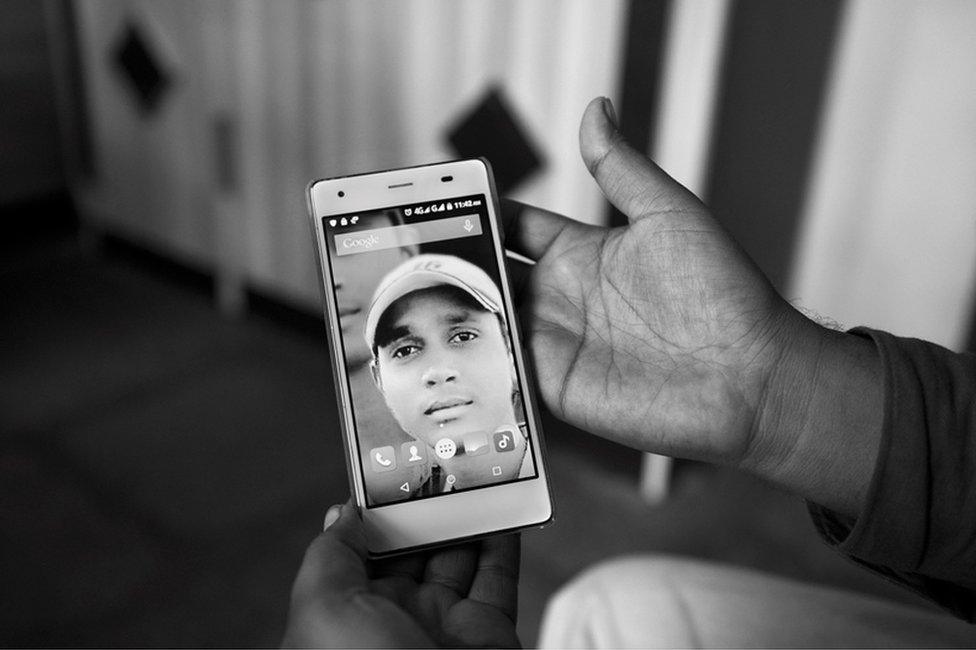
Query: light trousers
(655, 602)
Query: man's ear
(374, 370)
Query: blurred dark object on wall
(491, 129)
(140, 69)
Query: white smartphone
(436, 400)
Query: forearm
(819, 424)
(914, 524)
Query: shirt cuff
(888, 536)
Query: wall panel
(152, 172)
(339, 88)
(317, 89)
(889, 236)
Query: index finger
(496, 578)
(530, 231)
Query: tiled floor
(162, 470)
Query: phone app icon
(475, 443)
(504, 438)
(445, 448)
(382, 459)
(413, 453)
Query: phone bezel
(410, 525)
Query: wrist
(818, 425)
(787, 391)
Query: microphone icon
(468, 225)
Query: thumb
(635, 185)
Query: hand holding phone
(439, 418)
(462, 596)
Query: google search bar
(377, 239)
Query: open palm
(659, 335)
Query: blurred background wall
(268, 96)
(888, 234)
(829, 137)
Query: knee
(624, 602)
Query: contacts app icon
(413, 453)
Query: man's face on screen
(356, 278)
(446, 369)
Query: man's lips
(441, 406)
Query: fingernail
(331, 516)
(609, 112)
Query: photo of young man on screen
(443, 363)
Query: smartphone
(436, 401)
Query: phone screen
(425, 332)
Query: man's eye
(404, 351)
(463, 337)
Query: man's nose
(438, 374)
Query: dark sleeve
(918, 525)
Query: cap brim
(415, 281)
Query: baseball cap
(426, 271)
